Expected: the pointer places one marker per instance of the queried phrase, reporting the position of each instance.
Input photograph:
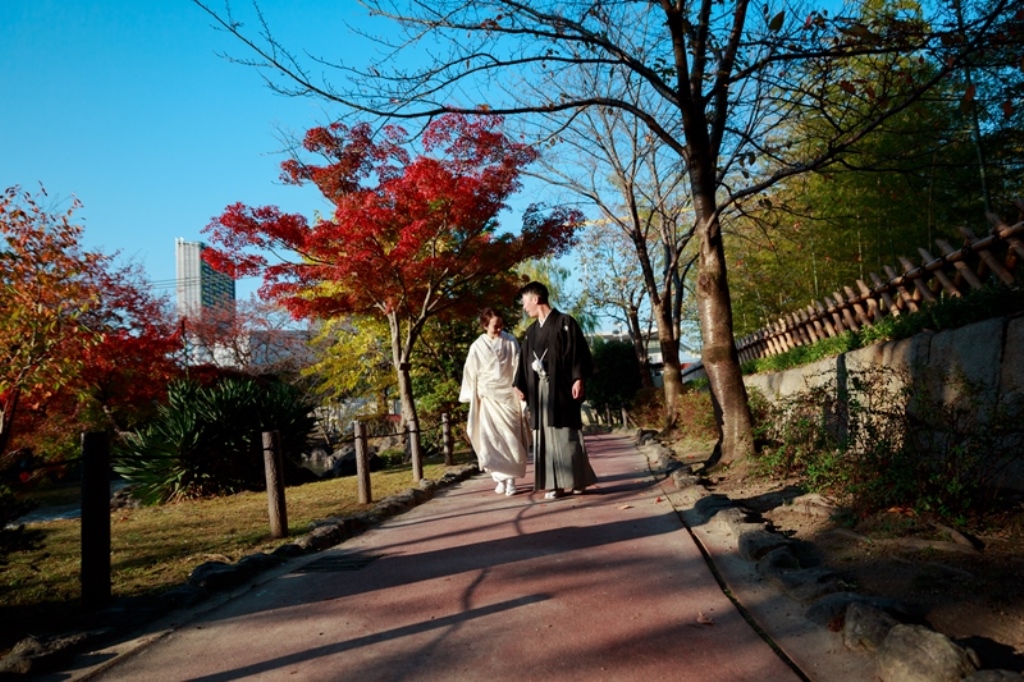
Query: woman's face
(494, 326)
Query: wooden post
(362, 463)
(899, 283)
(980, 247)
(825, 317)
(874, 310)
(808, 326)
(883, 289)
(446, 439)
(788, 335)
(917, 276)
(859, 312)
(935, 265)
(956, 257)
(413, 430)
(273, 463)
(95, 574)
(846, 312)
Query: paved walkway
(477, 586)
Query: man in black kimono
(554, 364)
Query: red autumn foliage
(409, 238)
(82, 343)
(419, 237)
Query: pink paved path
(476, 586)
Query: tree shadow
(994, 655)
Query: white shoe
(500, 487)
(510, 487)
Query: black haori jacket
(566, 358)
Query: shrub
(649, 408)
(695, 415)
(15, 538)
(208, 440)
(804, 355)
(863, 440)
(392, 458)
(616, 379)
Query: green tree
(912, 180)
(353, 361)
(616, 378)
(557, 278)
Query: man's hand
(522, 398)
(577, 389)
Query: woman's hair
(486, 314)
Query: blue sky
(128, 105)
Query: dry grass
(154, 548)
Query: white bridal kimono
(496, 427)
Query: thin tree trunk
(7, 408)
(672, 382)
(671, 376)
(401, 363)
(640, 347)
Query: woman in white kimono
(496, 427)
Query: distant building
(200, 287)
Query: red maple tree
(125, 373)
(249, 337)
(76, 331)
(409, 238)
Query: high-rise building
(200, 287)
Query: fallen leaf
(625, 506)
(704, 620)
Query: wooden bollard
(446, 439)
(95, 574)
(413, 430)
(273, 463)
(362, 463)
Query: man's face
(530, 304)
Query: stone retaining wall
(989, 355)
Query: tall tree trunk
(721, 361)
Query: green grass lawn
(154, 548)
